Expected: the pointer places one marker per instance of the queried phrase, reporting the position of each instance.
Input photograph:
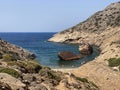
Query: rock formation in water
(65, 55)
(101, 29)
(85, 49)
(19, 71)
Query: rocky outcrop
(4, 86)
(103, 30)
(15, 51)
(68, 56)
(86, 49)
(11, 81)
(93, 26)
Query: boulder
(14, 83)
(4, 86)
(64, 55)
(85, 49)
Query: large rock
(14, 83)
(86, 49)
(67, 56)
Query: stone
(38, 87)
(29, 77)
(11, 81)
(64, 55)
(4, 86)
(85, 49)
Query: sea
(47, 52)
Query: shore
(97, 70)
(103, 30)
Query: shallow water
(46, 51)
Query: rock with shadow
(85, 49)
(65, 55)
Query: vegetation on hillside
(9, 71)
(114, 62)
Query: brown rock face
(86, 49)
(67, 56)
(94, 25)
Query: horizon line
(28, 32)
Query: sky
(46, 15)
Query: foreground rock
(11, 81)
(68, 56)
(4, 86)
(86, 49)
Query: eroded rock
(4, 86)
(86, 49)
(11, 81)
(67, 56)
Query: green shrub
(119, 68)
(8, 57)
(30, 66)
(114, 62)
(54, 75)
(12, 63)
(82, 79)
(93, 84)
(50, 74)
(9, 71)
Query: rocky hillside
(7, 49)
(101, 29)
(94, 25)
(19, 71)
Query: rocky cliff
(101, 29)
(19, 71)
(93, 26)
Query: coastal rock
(19, 71)
(67, 56)
(91, 27)
(15, 51)
(86, 49)
(103, 30)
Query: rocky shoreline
(20, 71)
(102, 30)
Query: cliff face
(103, 30)
(93, 26)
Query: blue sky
(46, 15)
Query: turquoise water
(46, 52)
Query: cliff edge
(96, 24)
(101, 29)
